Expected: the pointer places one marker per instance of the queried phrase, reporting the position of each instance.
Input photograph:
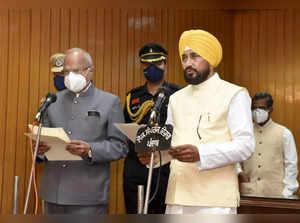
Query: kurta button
(259, 154)
(259, 166)
(64, 165)
(69, 132)
(258, 178)
(260, 142)
(260, 131)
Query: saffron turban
(203, 43)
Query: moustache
(190, 68)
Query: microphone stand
(149, 182)
(153, 122)
(16, 195)
(140, 201)
(34, 158)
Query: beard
(200, 77)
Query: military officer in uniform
(57, 65)
(139, 101)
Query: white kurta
(291, 165)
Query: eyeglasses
(198, 128)
(76, 71)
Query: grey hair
(88, 58)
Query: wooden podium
(261, 205)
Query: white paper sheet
(57, 139)
(129, 129)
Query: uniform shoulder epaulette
(133, 90)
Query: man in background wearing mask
(137, 109)
(273, 169)
(57, 63)
(212, 132)
(87, 115)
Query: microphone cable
(34, 170)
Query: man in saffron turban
(209, 137)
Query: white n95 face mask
(259, 115)
(75, 82)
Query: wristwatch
(90, 153)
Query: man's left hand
(185, 153)
(79, 148)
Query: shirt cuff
(289, 194)
(200, 162)
(41, 158)
(238, 168)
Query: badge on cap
(59, 61)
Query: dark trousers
(136, 174)
(57, 209)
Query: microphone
(50, 98)
(159, 101)
(165, 90)
(156, 108)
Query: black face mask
(153, 73)
(59, 82)
(200, 76)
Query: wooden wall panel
(91, 32)
(261, 48)
(126, 4)
(55, 29)
(113, 36)
(99, 60)
(23, 101)
(266, 54)
(65, 33)
(11, 109)
(4, 49)
(108, 47)
(34, 96)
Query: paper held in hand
(129, 129)
(57, 139)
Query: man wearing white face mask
(87, 114)
(273, 169)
